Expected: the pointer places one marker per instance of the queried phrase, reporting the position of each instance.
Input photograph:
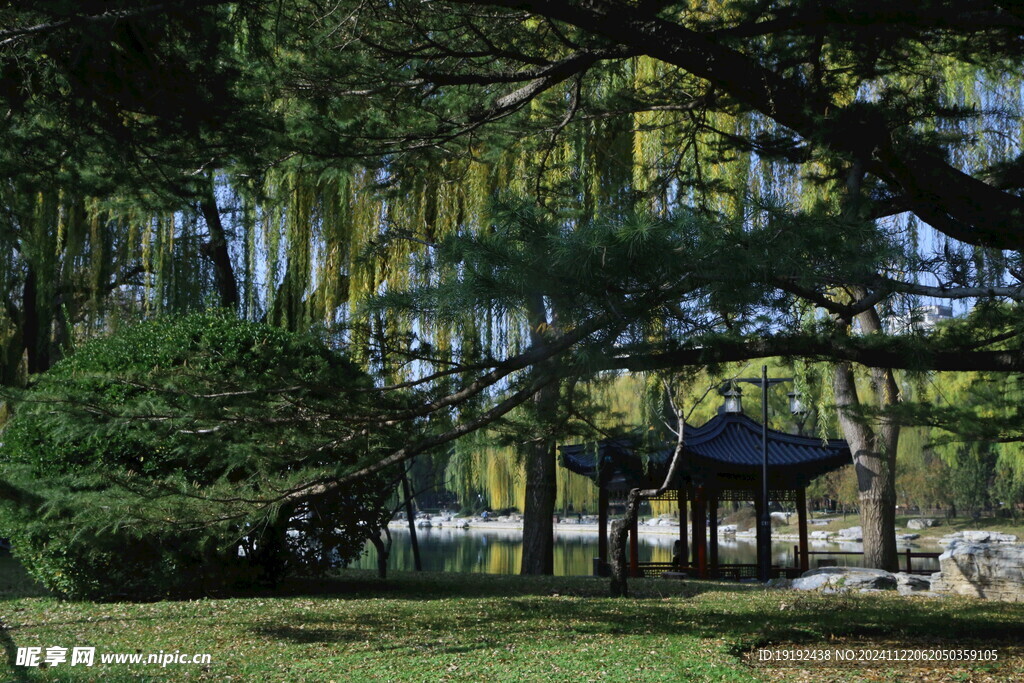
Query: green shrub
(154, 462)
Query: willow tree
(116, 125)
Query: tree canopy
(712, 181)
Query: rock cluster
(978, 537)
(838, 579)
(983, 570)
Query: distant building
(926, 317)
(921, 318)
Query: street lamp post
(764, 519)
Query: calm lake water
(499, 551)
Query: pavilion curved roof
(725, 452)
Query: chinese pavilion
(722, 461)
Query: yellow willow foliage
(63, 219)
(575, 491)
(1011, 457)
(334, 242)
(45, 229)
(1011, 454)
(664, 507)
(659, 137)
(648, 138)
(290, 297)
(164, 252)
(496, 472)
(298, 242)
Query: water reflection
(499, 551)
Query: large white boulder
(854, 533)
(836, 579)
(983, 570)
(987, 537)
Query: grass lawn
(436, 627)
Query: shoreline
(671, 530)
(663, 530)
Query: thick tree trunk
(538, 534)
(874, 460)
(874, 451)
(541, 483)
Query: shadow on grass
(18, 673)
(15, 582)
(302, 635)
(421, 586)
(747, 622)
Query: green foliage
(971, 478)
(158, 460)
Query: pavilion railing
(734, 572)
(908, 558)
(749, 571)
